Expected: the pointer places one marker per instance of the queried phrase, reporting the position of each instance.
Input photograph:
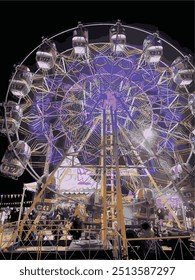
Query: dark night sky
(26, 22)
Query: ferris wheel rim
(90, 25)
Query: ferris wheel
(125, 99)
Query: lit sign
(43, 207)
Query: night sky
(174, 20)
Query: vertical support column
(111, 188)
(120, 214)
(103, 183)
(21, 205)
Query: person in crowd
(147, 230)
(3, 216)
(147, 247)
(56, 228)
(14, 215)
(76, 228)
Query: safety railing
(163, 247)
(58, 240)
(52, 239)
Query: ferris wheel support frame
(153, 182)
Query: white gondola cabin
(183, 75)
(15, 159)
(21, 82)
(46, 55)
(152, 49)
(117, 37)
(10, 118)
(80, 40)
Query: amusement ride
(104, 124)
